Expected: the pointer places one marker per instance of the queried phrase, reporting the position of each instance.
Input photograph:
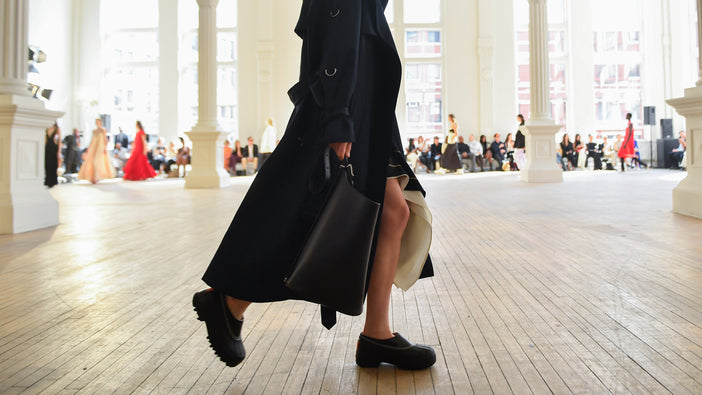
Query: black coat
(349, 79)
(245, 151)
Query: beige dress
(96, 165)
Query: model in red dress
(138, 167)
(627, 148)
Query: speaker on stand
(650, 120)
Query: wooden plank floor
(590, 286)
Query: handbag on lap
(331, 269)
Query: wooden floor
(590, 286)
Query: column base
(207, 161)
(541, 164)
(687, 196)
(22, 212)
(25, 204)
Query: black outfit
(51, 160)
(496, 149)
(450, 159)
(594, 152)
(519, 140)
(576, 154)
(245, 151)
(434, 155)
(566, 154)
(462, 148)
(72, 155)
(123, 139)
(349, 80)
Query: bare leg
(387, 253)
(237, 307)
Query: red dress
(138, 167)
(627, 148)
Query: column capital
(207, 3)
(538, 2)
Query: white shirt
(475, 147)
(268, 139)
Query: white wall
(51, 29)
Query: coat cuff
(337, 127)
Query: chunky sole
(228, 348)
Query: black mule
(397, 351)
(223, 330)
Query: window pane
(422, 43)
(423, 97)
(422, 11)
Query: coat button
(330, 73)
(334, 14)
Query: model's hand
(342, 150)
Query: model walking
(96, 165)
(345, 99)
(138, 167)
(52, 153)
(627, 148)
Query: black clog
(223, 330)
(397, 351)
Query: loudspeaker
(665, 147)
(649, 114)
(667, 128)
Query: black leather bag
(332, 266)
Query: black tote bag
(331, 269)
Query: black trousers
(597, 157)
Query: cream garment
(416, 239)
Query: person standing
(520, 144)
(72, 156)
(347, 54)
(96, 165)
(268, 140)
(138, 167)
(52, 154)
(626, 150)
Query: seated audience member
(578, 152)
(423, 150)
(607, 152)
(119, 157)
(677, 154)
(183, 156)
(593, 151)
(566, 153)
(411, 154)
(487, 154)
(435, 153)
(227, 155)
(509, 147)
(158, 156)
(477, 149)
(250, 152)
(237, 155)
(498, 150)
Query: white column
(486, 45)
(168, 70)
(541, 130)
(687, 196)
(699, 38)
(208, 150)
(25, 204)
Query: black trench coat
(349, 79)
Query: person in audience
(627, 148)
(578, 152)
(137, 167)
(487, 153)
(119, 158)
(677, 154)
(96, 165)
(498, 150)
(227, 155)
(449, 156)
(608, 153)
(435, 153)
(72, 156)
(509, 155)
(465, 152)
(236, 157)
(158, 156)
(250, 152)
(122, 139)
(411, 154)
(477, 149)
(566, 153)
(594, 152)
(520, 144)
(183, 157)
(424, 152)
(52, 154)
